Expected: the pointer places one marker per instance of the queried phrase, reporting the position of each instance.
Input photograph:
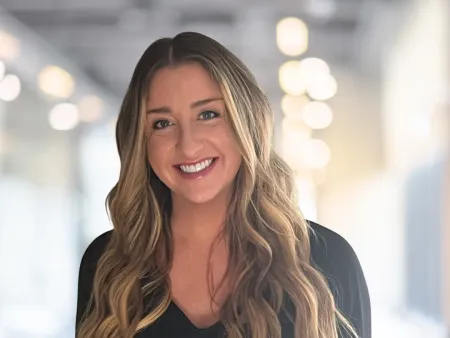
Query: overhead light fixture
(322, 9)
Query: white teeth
(197, 167)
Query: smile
(197, 167)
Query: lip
(201, 174)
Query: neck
(198, 222)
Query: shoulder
(92, 254)
(96, 248)
(88, 267)
(90, 258)
(329, 250)
(335, 258)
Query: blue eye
(208, 115)
(161, 124)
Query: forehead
(184, 83)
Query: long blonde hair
(267, 234)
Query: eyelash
(155, 124)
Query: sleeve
(353, 296)
(338, 262)
(86, 274)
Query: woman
(208, 240)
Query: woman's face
(190, 146)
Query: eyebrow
(195, 104)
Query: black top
(330, 253)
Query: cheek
(156, 152)
(226, 141)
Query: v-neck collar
(215, 328)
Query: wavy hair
(268, 237)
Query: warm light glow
(91, 108)
(10, 88)
(311, 75)
(295, 130)
(305, 185)
(9, 46)
(314, 67)
(291, 78)
(291, 154)
(295, 133)
(317, 115)
(307, 197)
(64, 116)
(320, 176)
(322, 87)
(56, 81)
(292, 105)
(2, 69)
(292, 36)
(315, 153)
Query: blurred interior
(360, 91)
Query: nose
(189, 143)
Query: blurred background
(360, 91)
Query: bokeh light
(10, 46)
(2, 69)
(91, 108)
(10, 88)
(64, 116)
(313, 66)
(56, 81)
(315, 153)
(317, 115)
(292, 106)
(291, 78)
(322, 87)
(292, 36)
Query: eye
(208, 115)
(161, 124)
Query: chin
(201, 195)
(199, 198)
